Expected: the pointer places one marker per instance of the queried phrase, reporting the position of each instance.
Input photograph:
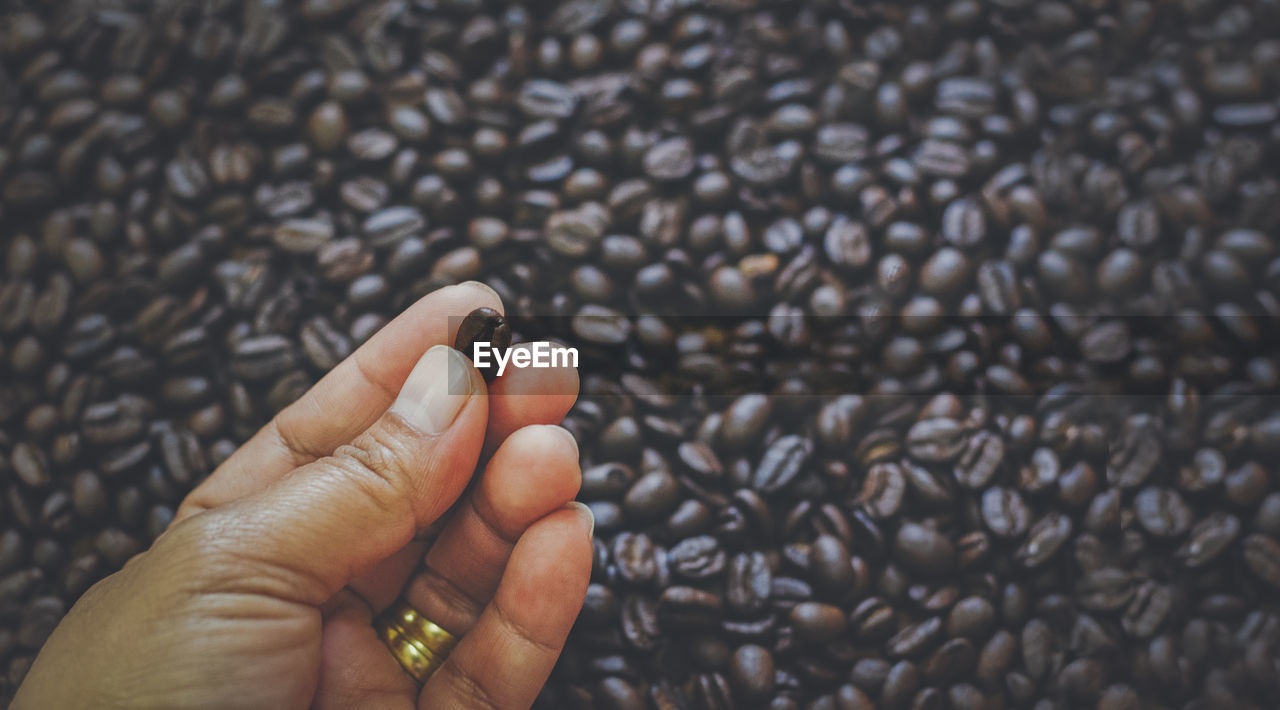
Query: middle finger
(533, 473)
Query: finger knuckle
(451, 595)
(381, 464)
(472, 690)
(524, 633)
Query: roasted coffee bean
(1005, 513)
(915, 640)
(322, 344)
(883, 489)
(302, 236)
(817, 623)
(483, 325)
(924, 549)
(751, 673)
(743, 421)
(847, 243)
(963, 223)
(653, 494)
(262, 357)
(635, 557)
(88, 496)
(749, 583)
(1260, 555)
(30, 464)
(1162, 512)
(1209, 538)
(1267, 519)
(951, 662)
(1045, 538)
(901, 685)
(832, 567)
(697, 557)
(687, 607)
(672, 159)
(936, 440)
(982, 456)
(640, 626)
(972, 617)
(1150, 606)
(600, 325)
(781, 463)
(389, 227)
(113, 422)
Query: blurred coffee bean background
(929, 348)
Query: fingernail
(483, 287)
(437, 389)
(585, 513)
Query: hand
(262, 592)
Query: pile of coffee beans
(929, 349)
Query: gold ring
(418, 644)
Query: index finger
(345, 402)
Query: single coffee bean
(1046, 537)
(936, 440)
(635, 555)
(262, 357)
(915, 640)
(1162, 512)
(483, 325)
(639, 617)
(781, 463)
(817, 623)
(752, 673)
(1004, 512)
(971, 617)
(1260, 554)
(748, 587)
(687, 607)
(982, 456)
(1209, 538)
(697, 557)
(924, 550)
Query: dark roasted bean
(483, 325)
(936, 440)
(1162, 512)
(817, 623)
(1045, 538)
(781, 463)
(1262, 555)
(924, 549)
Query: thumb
(321, 525)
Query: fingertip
(588, 518)
(555, 390)
(540, 441)
(557, 380)
(534, 470)
(487, 291)
(456, 301)
(561, 434)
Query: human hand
(262, 591)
